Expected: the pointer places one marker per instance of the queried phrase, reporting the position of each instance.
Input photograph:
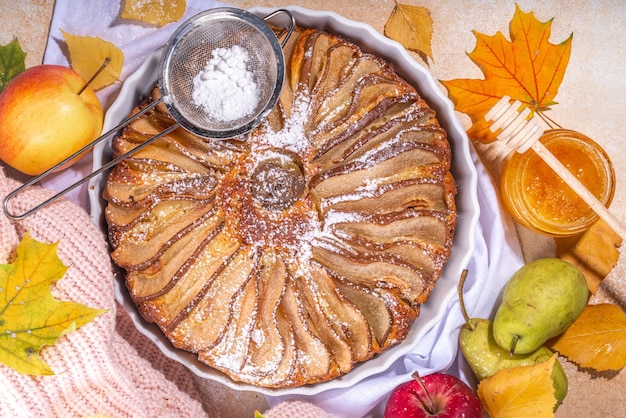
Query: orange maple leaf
(528, 68)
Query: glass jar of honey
(539, 199)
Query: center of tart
(265, 202)
(277, 183)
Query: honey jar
(539, 199)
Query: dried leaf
(12, 62)
(88, 53)
(597, 339)
(528, 68)
(30, 316)
(523, 391)
(595, 252)
(411, 26)
(154, 12)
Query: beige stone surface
(591, 100)
(28, 21)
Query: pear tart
(287, 256)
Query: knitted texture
(98, 368)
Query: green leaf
(30, 316)
(12, 62)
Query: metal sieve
(185, 56)
(190, 48)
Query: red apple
(436, 395)
(44, 120)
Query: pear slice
(230, 353)
(396, 198)
(173, 263)
(339, 59)
(148, 239)
(174, 303)
(268, 344)
(313, 358)
(338, 312)
(283, 374)
(390, 166)
(335, 105)
(372, 307)
(203, 321)
(372, 271)
(298, 57)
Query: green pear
(485, 357)
(540, 301)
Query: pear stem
(106, 62)
(513, 345)
(462, 301)
(430, 407)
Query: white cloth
(496, 256)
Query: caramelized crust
(287, 256)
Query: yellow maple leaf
(30, 316)
(154, 12)
(597, 339)
(522, 391)
(528, 68)
(88, 53)
(595, 252)
(412, 27)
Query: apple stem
(462, 301)
(106, 62)
(430, 407)
(513, 345)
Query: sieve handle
(104, 167)
(290, 28)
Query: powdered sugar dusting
(291, 137)
(225, 89)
